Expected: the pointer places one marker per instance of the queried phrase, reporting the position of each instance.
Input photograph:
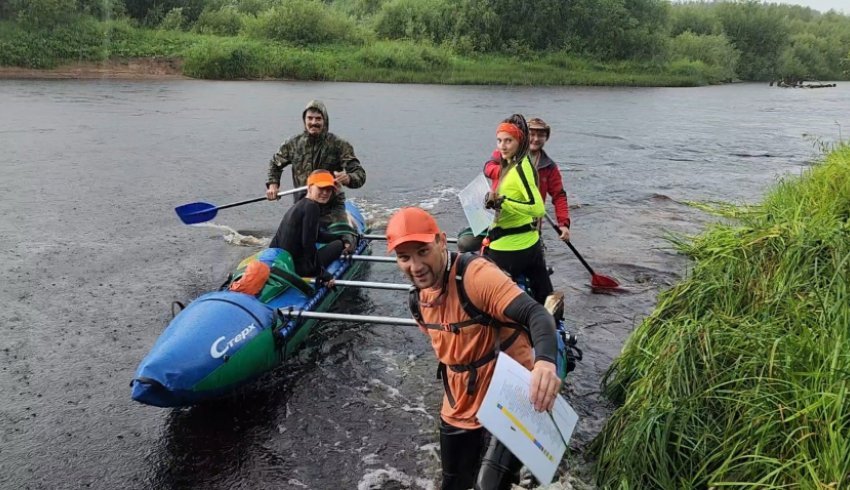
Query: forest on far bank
(708, 41)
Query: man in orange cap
(468, 306)
(299, 229)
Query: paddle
(596, 280)
(199, 212)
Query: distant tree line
(738, 39)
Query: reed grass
(740, 376)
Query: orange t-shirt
(491, 291)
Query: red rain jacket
(549, 182)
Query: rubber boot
(460, 455)
(499, 468)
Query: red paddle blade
(604, 282)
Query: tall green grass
(228, 44)
(86, 39)
(303, 22)
(240, 58)
(740, 376)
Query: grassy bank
(741, 376)
(240, 57)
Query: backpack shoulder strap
(468, 306)
(413, 305)
(413, 296)
(463, 261)
(476, 315)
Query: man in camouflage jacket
(314, 149)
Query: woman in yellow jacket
(513, 241)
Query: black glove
(323, 278)
(493, 201)
(351, 240)
(346, 251)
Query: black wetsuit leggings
(324, 256)
(467, 464)
(530, 263)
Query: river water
(93, 255)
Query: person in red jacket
(548, 181)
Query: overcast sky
(822, 5)
(842, 6)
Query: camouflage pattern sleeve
(279, 161)
(351, 165)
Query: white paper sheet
(536, 438)
(472, 202)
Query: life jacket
(513, 180)
(550, 182)
(476, 317)
(499, 232)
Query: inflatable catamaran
(224, 339)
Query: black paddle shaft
(580, 258)
(249, 201)
(264, 198)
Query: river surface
(93, 255)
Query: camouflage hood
(317, 105)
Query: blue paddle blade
(196, 212)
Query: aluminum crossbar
(320, 315)
(371, 285)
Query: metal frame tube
(372, 258)
(320, 315)
(371, 285)
(382, 237)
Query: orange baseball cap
(321, 178)
(411, 225)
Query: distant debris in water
(233, 237)
(389, 477)
(241, 240)
(800, 83)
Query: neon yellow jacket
(521, 206)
